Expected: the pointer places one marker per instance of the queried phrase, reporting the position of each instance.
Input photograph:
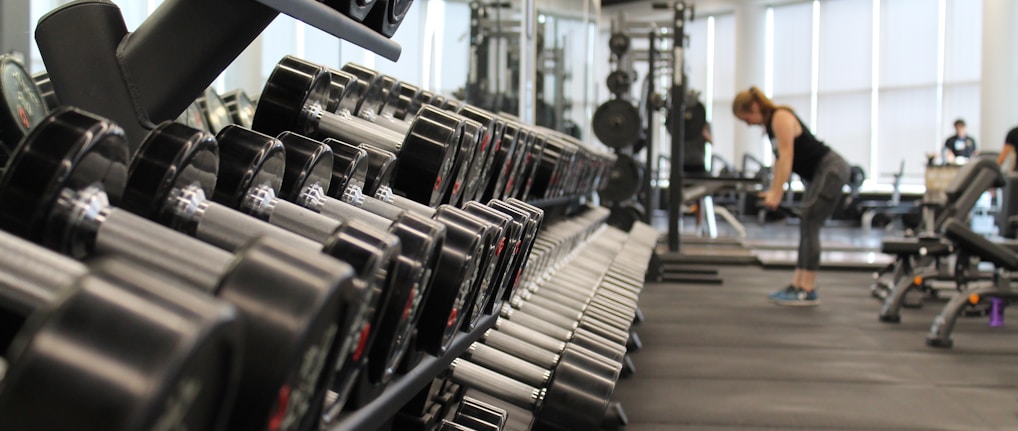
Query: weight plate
(70, 149)
(172, 157)
(619, 82)
(502, 160)
(406, 105)
(626, 179)
(617, 124)
(619, 44)
(23, 106)
(293, 91)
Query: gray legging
(820, 201)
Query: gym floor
(721, 357)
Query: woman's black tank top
(807, 150)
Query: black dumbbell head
(247, 159)
(349, 163)
(294, 88)
(69, 149)
(308, 162)
(173, 156)
(427, 156)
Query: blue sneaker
(794, 296)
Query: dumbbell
(309, 166)
(193, 117)
(176, 168)
(455, 278)
(22, 108)
(295, 99)
(170, 358)
(240, 106)
(572, 399)
(474, 414)
(364, 93)
(55, 193)
(217, 114)
(467, 226)
(355, 9)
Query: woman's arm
(786, 128)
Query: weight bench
(964, 190)
(998, 295)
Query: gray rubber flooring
(723, 358)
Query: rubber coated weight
(480, 165)
(170, 174)
(45, 86)
(240, 106)
(59, 316)
(619, 82)
(22, 106)
(217, 114)
(381, 90)
(617, 124)
(309, 168)
(502, 159)
(294, 99)
(573, 399)
(625, 180)
(385, 18)
(619, 43)
(86, 157)
(356, 9)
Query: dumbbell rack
(405, 387)
(401, 390)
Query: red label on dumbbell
(282, 400)
(484, 143)
(456, 187)
(23, 116)
(452, 318)
(362, 342)
(409, 304)
(498, 145)
(438, 183)
(501, 245)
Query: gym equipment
(294, 99)
(307, 174)
(170, 357)
(241, 107)
(23, 106)
(456, 272)
(174, 171)
(356, 9)
(999, 294)
(619, 82)
(368, 95)
(573, 398)
(385, 18)
(625, 179)
(217, 114)
(57, 192)
(45, 87)
(617, 124)
(922, 252)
